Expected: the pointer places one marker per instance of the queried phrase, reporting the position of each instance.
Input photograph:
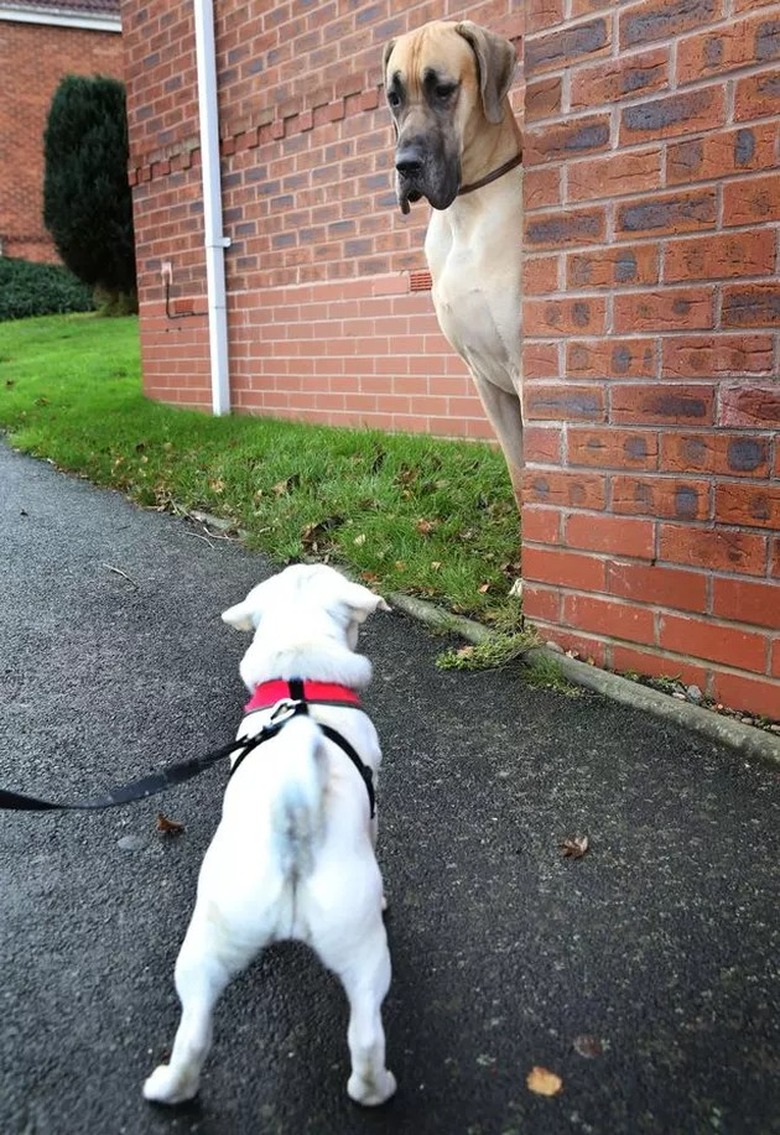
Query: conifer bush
(87, 206)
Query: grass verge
(428, 517)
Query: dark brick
(664, 20)
(625, 267)
(746, 454)
(686, 501)
(713, 51)
(753, 307)
(636, 78)
(665, 111)
(744, 147)
(621, 360)
(558, 229)
(677, 406)
(768, 41)
(635, 447)
(569, 138)
(694, 451)
(580, 313)
(665, 214)
(564, 46)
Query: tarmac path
(645, 974)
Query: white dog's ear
(496, 62)
(239, 617)
(360, 600)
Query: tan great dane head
(445, 85)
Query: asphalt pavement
(644, 974)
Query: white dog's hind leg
(366, 980)
(200, 979)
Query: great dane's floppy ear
(387, 51)
(496, 61)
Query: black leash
(185, 770)
(136, 789)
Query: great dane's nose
(409, 160)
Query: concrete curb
(724, 730)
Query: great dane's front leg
(505, 414)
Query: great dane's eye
(393, 99)
(443, 91)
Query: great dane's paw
(371, 1093)
(165, 1086)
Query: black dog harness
(287, 700)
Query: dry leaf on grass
(543, 1082)
(575, 847)
(168, 827)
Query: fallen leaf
(543, 1082)
(360, 540)
(281, 488)
(217, 485)
(314, 537)
(425, 527)
(575, 847)
(406, 476)
(369, 577)
(588, 1046)
(168, 827)
(483, 588)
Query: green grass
(431, 518)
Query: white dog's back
(297, 814)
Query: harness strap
(299, 704)
(267, 694)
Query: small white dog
(293, 856)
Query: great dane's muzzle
(425, 168)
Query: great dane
(459, 146)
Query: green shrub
(39, 289)
(87, 204)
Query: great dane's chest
(476, 289)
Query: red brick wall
(652, 350)
(33, 60)
(327, 318)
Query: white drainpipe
(216, 242)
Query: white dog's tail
(298, 805)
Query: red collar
(267, 694)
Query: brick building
(651, 308)
(40, 43)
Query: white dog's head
(305, 622)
